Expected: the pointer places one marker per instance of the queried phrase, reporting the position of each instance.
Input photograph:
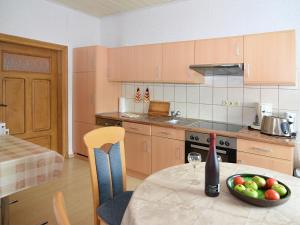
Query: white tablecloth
(24, 164)
(176, 196)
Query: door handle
(3, 105)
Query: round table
(176, 196)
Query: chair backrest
(60, 210)
(108, 169)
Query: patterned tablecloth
(24, 164)
(176, 196)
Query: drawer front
(137, 128)
(168, 133)
(265, 149)
(283, 166)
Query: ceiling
(100, 8)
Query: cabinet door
(138, 153)
(177, 57)
(283, 166)
(166, 152)
(270, 58)
(219, 50)
(79, 130)
(84, 59)
(84, 97)
(148, 62)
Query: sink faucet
(175, 113)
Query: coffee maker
(263, 109)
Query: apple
(272, 195)
(280, 189)
(239, 188)
(250, 192)
(261, 182)
(251, 184)
(238, 180)
(270, 182)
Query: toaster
(276, 126)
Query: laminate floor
(34, 206)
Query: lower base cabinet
(138, 154)
(166, 152)
(79, 130)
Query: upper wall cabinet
(177, 57)
(219, 51)
(135, 63)
(270, 58)
(82, 59)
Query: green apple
(261, 182)
(239, 188)
(280, 189)
(251, 184)
(250, 192)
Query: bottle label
(213, 188)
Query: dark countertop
(185, 124)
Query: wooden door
(166, 152)
(219, 50)
(177, 57)
(28, 87)
(270, 58)
(138, 153)
(280, 165)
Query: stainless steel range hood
(219, 69)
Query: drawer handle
(164, 133)
(262, 149)
(132, 128)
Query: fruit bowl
(260, 200)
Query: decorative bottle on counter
(212, 171)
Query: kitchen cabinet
(167, 147)
(135, 63)
(92, 92)
(177, 57)
(270, 58)
(137, 149)
(219, 50)
(269, 156)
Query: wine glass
(194, 158)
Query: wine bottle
(212, 172)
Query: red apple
(238, 180)
(270, 182)
(271, 195)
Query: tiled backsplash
(210, 101)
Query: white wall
(46, 21)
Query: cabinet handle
(158, 72)
(3, 105)
(164, 133)
(237, 50)
(132, 128)
(262, 149)
(177, 153)
(146, 146)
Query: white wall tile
(129, 90)
(139, 107)
(123, 90)
(251, 97)
(235, 95)
(235, 81)
(219, 96)
(206, 112)
(193, 95)
(248, 115)
(158, 92)
(235, 115)
(220, 113)
(129, 105)
(192, 110)
(208, 81)
(180, 93)
(269, 96)
(169, 92)
(220, 81)
(289, 99)
(146, 107)
(181, 107)
(206, 95)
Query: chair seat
(112, 211)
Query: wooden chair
(60, 210)
(108, 173)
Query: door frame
(62, 59)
